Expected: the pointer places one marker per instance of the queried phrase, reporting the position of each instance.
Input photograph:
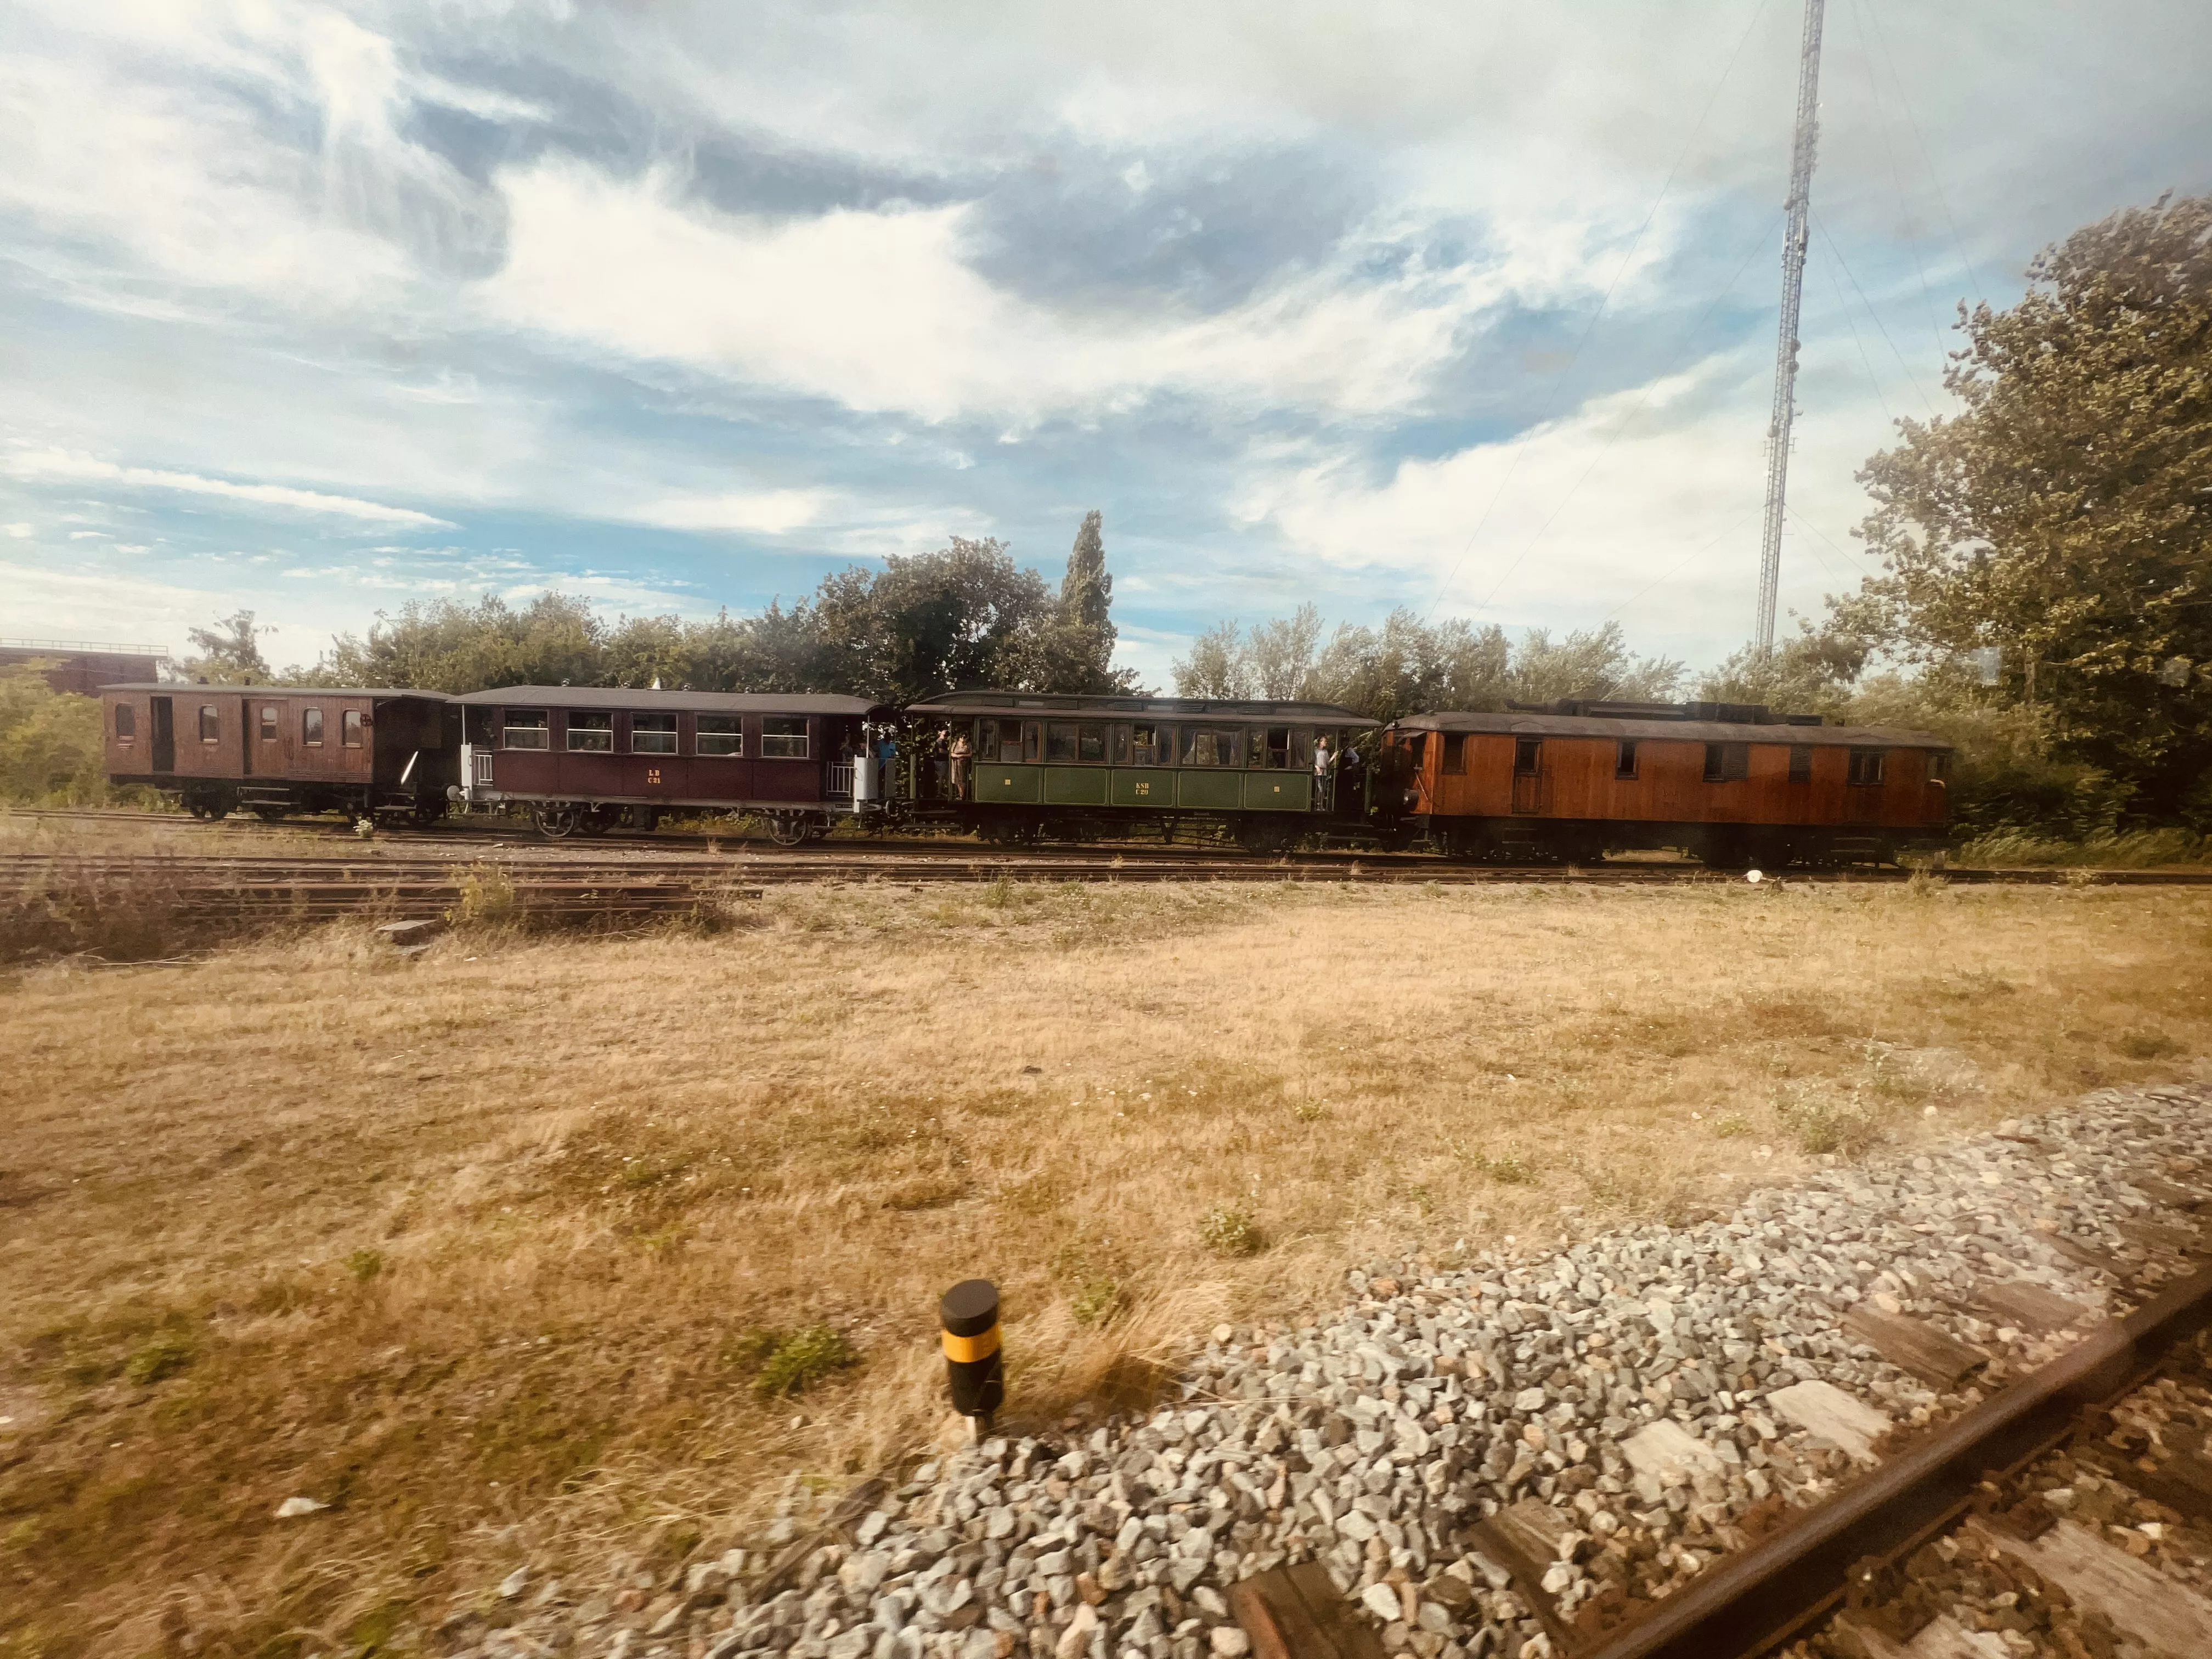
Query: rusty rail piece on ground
(1775, 1591)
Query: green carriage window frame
(127, 723)
(1212, 746)
(1059, 741)
(590, 732)
(210, 723)
(783, 737)
(525, 728)
(652, 734)
(1143, 743)
(719, 736)
(1801, 762)
(1090, 743)
(1867, 767)
(310, 728)
(1270, 748)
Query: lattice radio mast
(1785, 349)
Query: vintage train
(1568, 782)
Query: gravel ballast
(1642, 1387)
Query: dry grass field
(484, 1249)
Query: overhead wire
(1520, 443)
(1872, 315)
(1934, 181)
(1896, 174)
(1626, 420)
(1671, 569)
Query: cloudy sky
(319, 308)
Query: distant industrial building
(84, 665)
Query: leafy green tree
(1409, 667)
(2062, 516)
(1074, 650)
(51, 745)
(442, 645)
(229, 654)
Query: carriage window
(783, 737)
(1059, 741)
(652, 734)
(1090, 743)
(1867, 765)
(1528, 757)
(350, 728)
(987, 740)
(721, 734)
(1801, 762)
(268, 722)
(1939, 767)
(1727, 762)
(1271, 746)
(210, 723)
(310, 728)
(592, 734)
(525, 728)
(1151, 745)
(1209, 746)
(1455, 751)
(1032, 740)
(1301, 747)
(126, 722)
(1624, 761)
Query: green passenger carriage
(1023, 766)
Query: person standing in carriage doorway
(1324, 772)
(887, 764)
(961, 750)
(940, 761)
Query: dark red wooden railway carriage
(279, 749)
(1732, 783)
(590, 757)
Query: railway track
(577, 882)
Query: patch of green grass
(1820, 1124)
(802, 1358)
(1097, 1302)
(365, 1265)
(2146, 1043)
(1231, 1231)
(1308, 1111)
(165, 1356)
(1728, 1127)
(1511, 1170)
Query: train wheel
(556, 822)
(786, 829)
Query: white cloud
(880, 311)
(18, 530)
(768, 512)
(51, 464)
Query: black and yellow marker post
(974, 1367)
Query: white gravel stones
(1646, 1385)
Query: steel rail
(1754, 1601)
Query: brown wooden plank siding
(1575, 779)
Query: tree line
(2045, 598)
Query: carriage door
(245, 737)
(1527, 775)
(165, 736)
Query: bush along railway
(1734, 784)
(1956, 1403)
